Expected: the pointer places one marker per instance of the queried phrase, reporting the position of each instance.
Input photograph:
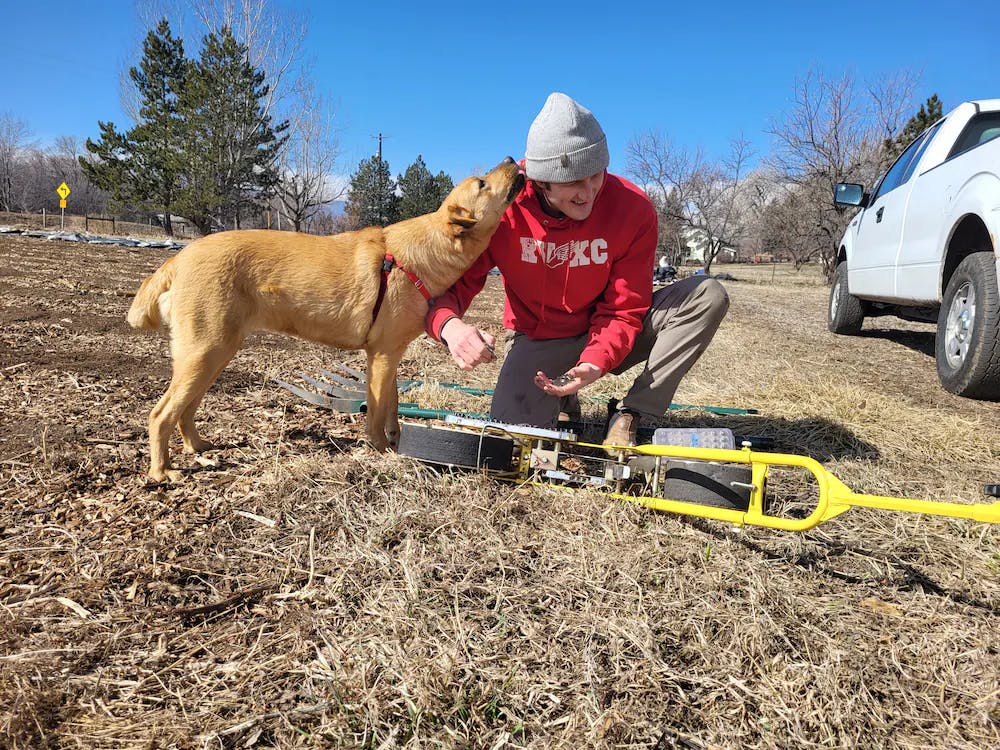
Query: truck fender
(973, 212)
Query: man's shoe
(569, 408)
(622, 427)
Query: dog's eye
(482, 184)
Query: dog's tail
(151, 306)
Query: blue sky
(459, 83)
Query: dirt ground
(299, 590)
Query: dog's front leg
(383, 397)
(392, 418)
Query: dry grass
(303, 591)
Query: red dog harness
(387, 265)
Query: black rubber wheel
(707, 484)
(845, 313)
(456, 448)
(967, 346)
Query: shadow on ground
(918, 341)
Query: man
(575, 250)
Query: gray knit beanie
(565, 143)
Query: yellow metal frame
(834, 496)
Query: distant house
(696, 242)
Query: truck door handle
(878, 215)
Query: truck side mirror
(850, 194)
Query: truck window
(978, 130)
(900, 171)
(927, 138)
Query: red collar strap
(387, 265)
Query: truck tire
(845, 314)
(967, 346)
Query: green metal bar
(412, 410)
(714, 409)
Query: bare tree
(38, 172)
(787, 225)
(13, 142)
(704, 196)
(306, 169)
(63, 161)
(760, 193)
(836, 131)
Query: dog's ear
(460, 218)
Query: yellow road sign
(63, 191)
(62, 203)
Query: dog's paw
(379, 443)
(199, 446)
(170, 476)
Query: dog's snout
(507, 162)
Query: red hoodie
(565, 277)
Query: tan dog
(324, 289)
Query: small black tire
(456, 448)
(967, 345)
(717, 485)
(845, 313)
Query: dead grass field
(299, 590)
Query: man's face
(575, 199)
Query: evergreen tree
(444, 186)
(420, 192)
(231, 145)
(371, 199)
(930, 112)
(141, 167)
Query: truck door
(872, 270)
(932, 199)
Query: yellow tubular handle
(834, 497)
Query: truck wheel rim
(835, 300)
(961, 319)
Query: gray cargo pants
(681, 322)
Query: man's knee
(714, 298)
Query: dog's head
(477, 203)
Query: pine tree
(420, 192)
(141, 167)
(930, 112)
(231, 145)
(371, 199)
(444, 185)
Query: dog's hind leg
(193, 442)
(383, 398)
(194, 372)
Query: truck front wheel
(845, 314)
(967, 347)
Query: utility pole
(379, 187)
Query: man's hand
(468, 345)
(571, 381)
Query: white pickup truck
(925, 247)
